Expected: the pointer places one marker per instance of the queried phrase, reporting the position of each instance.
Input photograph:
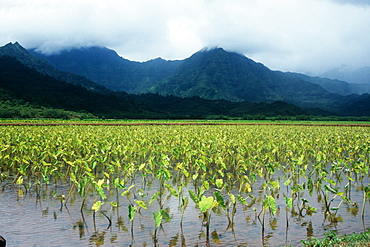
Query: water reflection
(80, 225)
(31, 217)
(215, 237)
(309, 229)
(98, 238)
(120, 224)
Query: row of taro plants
(215, 167)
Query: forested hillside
(210, 84)
(21, 85)
(209, 74)
(26, 93)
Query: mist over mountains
(349, 74)
(211, 81)
(107, 68)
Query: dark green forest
(28, 93)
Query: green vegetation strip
(333, 240)
(132, 123)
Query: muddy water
(29, 221)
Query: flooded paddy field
(182, 185)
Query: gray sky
(308, 36)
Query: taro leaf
(247, 179)
(140, 204)
(164, 173)
(367, 190)
(81, 186)
(220, 199)
(193, 196)
(232, 198)
(185, 172)
(185, 202)
(288, 201)
(327, 187)
(206, 185)
(242, 200)
(271, 168)
(310, 186)
(205, 203)
(254, 176)
(141, 166)
(165, 215)
(221, 173)
(248, 187)
(101, 192)
(128, 190)
(311, 209)
(19, 180)
(131, 212)
(269, 202)
(272, 204)
(202, 165)
(331, 181)
(100, 182)
(154, 196)
(157, 218)
(274, 184)
(97, 205)
(219, 182)
(201, 192)
(300, 160)
(264, 185)
(172, 190)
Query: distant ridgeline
(210, 83)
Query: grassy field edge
(178, 122)
(332, 239)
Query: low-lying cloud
(304, 35)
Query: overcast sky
(308, 36)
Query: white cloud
(353, 2)
(295, 35)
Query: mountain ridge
(42, 66)
(26, 93)
(123, 79)
(22, 83)
(106, 67)
(209, 74)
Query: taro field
(182, 185)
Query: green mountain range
(105, 67)
(209, 74)
(24, 86)
(211, 82)
(30, 87)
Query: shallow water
(28, 221)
